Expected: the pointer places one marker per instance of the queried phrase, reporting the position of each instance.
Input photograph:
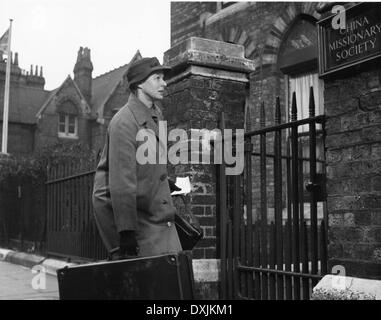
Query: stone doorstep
(333, 287)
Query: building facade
(281, 39)
(79, 110)
(27, 94)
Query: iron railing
(270, 247)
(71, 228)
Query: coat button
(163, 177)
(165, 202)
(169, 224)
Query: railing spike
(277, 111)
(312, 103)
(262, 117)
(294, 110)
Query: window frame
(67, 134)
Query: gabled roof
(23, 103)
(104, 86)
(56, 91)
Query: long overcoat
(129, 195)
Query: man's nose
(163, 83)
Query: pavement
(26, 276)
(20, 283)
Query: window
(67, 126)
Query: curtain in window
(301, 85)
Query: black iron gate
(71, 227)
(273, 222)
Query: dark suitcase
(160, 277)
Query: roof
(104, 85)
(55, 91)
(24, 102)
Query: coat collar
(142, 113)
(139, 109)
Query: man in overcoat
(132, 204)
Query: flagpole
(4, 143)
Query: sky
(48, 33)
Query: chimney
(16, 62)
(83, 73)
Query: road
(20, 283)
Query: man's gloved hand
(128, 245)
(172, 186)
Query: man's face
(153, 87)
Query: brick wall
(353, 151)
(195, 102)
(196, 96)
(255, 27)
(185, 19)
(260, 27)
(353, 142)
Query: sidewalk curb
(31, 260)
(24, 259)
(51, 265)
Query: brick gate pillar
(207, 77)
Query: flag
(4, 41)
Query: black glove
(172, 186)
(128, 245)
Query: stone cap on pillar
(208, 53)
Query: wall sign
(360, 40)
